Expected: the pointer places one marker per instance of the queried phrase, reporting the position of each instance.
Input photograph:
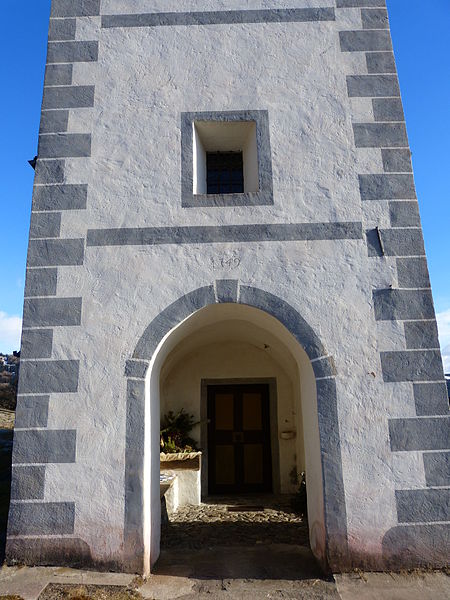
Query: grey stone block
(374, 18)
(437, 468)
(228, 233)
(60, 197)
(421, 334)
(379, 135)
(227, 290)
(398, 242)
(45, 225)
(392, 305)
(72, 96)
(374, 242)
(58, 74)
(48, 253)
(32, 411)
(171, 316)
(45, 312)
(44, 446)
(27, 483)
(324, 367)
(412, 273)
(54, 121)
(64, 145)
(380, 62)
(359, 3)
(412, 365)
(71, 52)
(365, 40)
(425, 545)
(62, 29)
(366, 86)
(36, 343)
(287, 315)
(415, 506)
(80, 8)
(48, 377)
(387, 187)
(49, 171)
(388, 109)
(58, 551)
(264, 196)
(396, 160)
(404, 214)
(137, 369)
(40, 282)
(413, 434)
(41, 518)
(219, 17)
(431, 398)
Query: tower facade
(224, 197)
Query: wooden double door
(239, 452)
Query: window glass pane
(224, 173)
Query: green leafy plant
(175, 430)
(299, 501)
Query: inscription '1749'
(227, 262)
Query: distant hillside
(9, 374)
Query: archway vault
(136, 527)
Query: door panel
(240, 458)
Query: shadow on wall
(6, 438)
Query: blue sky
(421, 43)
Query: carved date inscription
(226, 262)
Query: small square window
(226, 159)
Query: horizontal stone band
(223, 17)
(230, 233)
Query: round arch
(142, 501)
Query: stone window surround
(264, 196)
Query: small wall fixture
(287, 435)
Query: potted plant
(178, 449)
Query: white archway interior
(235, 341)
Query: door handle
(238, 437)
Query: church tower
(224, 220)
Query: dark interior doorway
(239, 450)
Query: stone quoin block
(80, 8)
(72, 52)
(431, 398)
(412, 365)
(437, 468)
(404, 214)
(54, 121)
(31, 411)
(421, 334)
(395, 242)
(60, 197)
(48, 253)
(396, 160)
(379, 135)
(412, 273)
(47, 377)
(415, 506)
(62, 29)
(41, 282)
(422, 541)
(58, 74)
(44, 446)
(227, 290)
(374, 18)
(414, 434)
(366, 86)
(28, 482)
(44, 312)
(64, 145)
(41, 518)
(380, 62)
(387, 187)
(49, 171)
(45, 225)
(74, 96)
(388, 109)
(36, 343)
(391, 304)
(360, 3)
(365, 40)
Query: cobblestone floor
(252, 520)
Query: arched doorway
(256, 315)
